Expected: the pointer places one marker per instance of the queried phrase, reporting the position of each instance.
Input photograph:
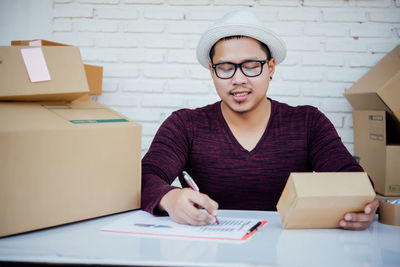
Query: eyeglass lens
(248, 68)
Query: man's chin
(240, 108)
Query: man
(240, 150)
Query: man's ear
(271, 66)
(210, 68)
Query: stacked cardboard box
(64, 64)
(61, 161)
(376, 100)
(94, 74)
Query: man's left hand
(360, 220)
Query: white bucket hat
(240, 22)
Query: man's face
(241, 93)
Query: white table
(83, 243)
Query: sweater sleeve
(164, 160)
(327, 153)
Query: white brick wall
(147, 48)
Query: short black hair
(264, 47)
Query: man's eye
(226, 67)
(251, 65)
(226, 70)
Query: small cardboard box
(65, 162)
(388, 213)
(378, 89)
(68, 78)
(377, 145)
(94, 74)
(320, 200)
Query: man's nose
(239, 77)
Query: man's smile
(240, 95)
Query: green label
(375, 118)
(357, 159)
(376, 137)
(98, 121)
(394, 188)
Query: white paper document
(143, 223)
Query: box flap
(42, 42)
(390, 94)
(95, 78)
(375, 82)
(378, 75)
(363, 101)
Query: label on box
(35, 64)
(84, 115)
(394, 188)
(376, 127)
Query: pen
(189, 180)
(254, 227)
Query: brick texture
(147, 49)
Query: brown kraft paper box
(65, 162)
(94, 74)
(68, 78)
(388, 213)
(379, 88)
(320, 200)
(377, 145)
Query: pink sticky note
(35, 64)
(35, 43)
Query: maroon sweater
(297, 139)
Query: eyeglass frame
(239, 65)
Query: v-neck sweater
(297, 139)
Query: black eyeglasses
(250, 68)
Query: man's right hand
(181, 205)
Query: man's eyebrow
(222, 60)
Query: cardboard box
(68, 79)
(65, 162)
(320, 200)
(377, 144)
(94, 74)
(388, 213)
(379, 89)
